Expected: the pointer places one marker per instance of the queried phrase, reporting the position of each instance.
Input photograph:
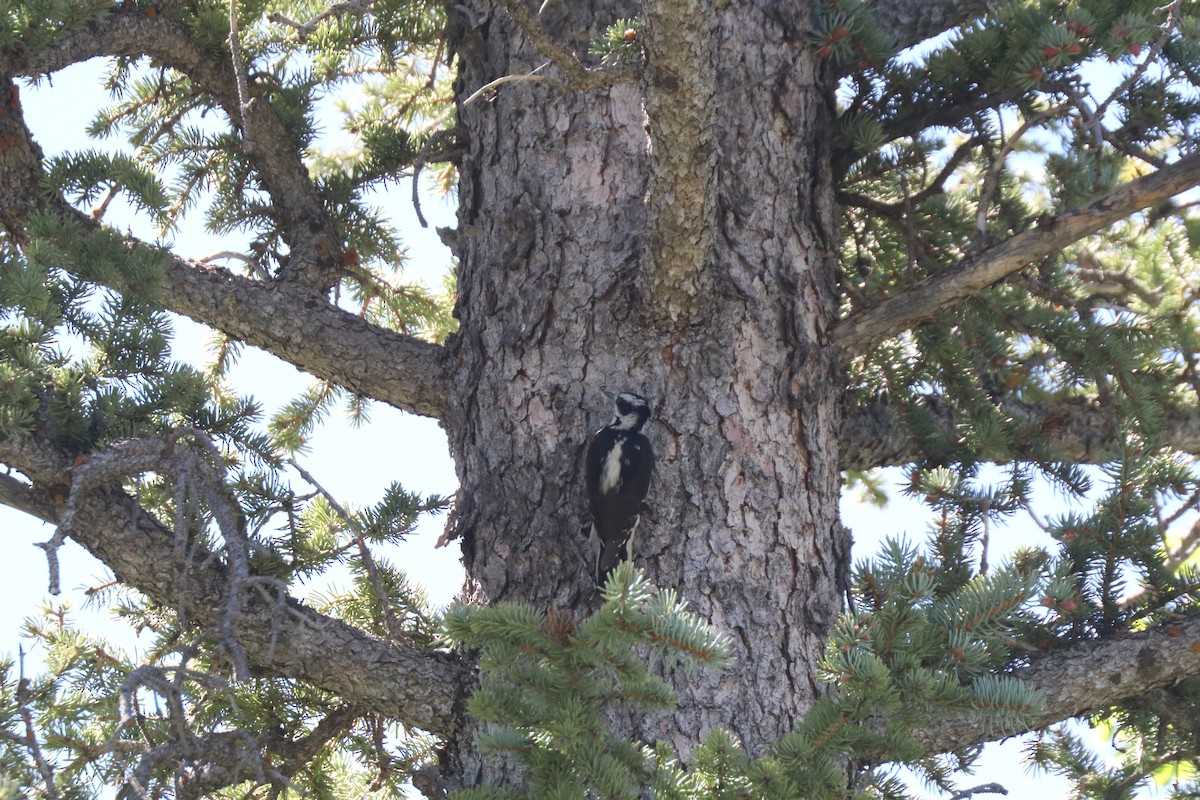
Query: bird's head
(632, 411)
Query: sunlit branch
(862, 330)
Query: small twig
(305, 29)
(992, 179)
(985, 788)
(395, 630)
(437, 123)
(94, 590)
(22, 698)
(1018, 644)
(1042, 523)
(239, 74)
(227, 254)
(503, 79)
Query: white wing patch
(610, 473)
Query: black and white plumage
(619, 463)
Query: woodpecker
(619, 463)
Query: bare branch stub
(305, 29)
(241, 81)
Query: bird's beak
(612, 398)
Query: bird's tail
(611, 553)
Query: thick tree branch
(21, 496)
(311, 333)
(859, 332)
(913, 21)
(422, 689)
(1087, 677)
(283, 318)
(875, 435)
(314, 247)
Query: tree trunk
(561, 291)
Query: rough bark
(578, 230)
(558, 273)
(913, 21)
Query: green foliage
(931, 179)
(81, 177)
(550, 684)
(86, 367)
(551, 688)
(619, 44)
(929, 635)
(41, 24)
(86, 361)
(845, 32)
(1136, 768)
